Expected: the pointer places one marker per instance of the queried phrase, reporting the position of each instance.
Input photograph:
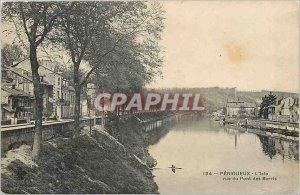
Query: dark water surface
(199, 145)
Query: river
(200, 146)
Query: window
(58, 81)
(4, 74)
(3, 115)
(57, 94)
(26, 87)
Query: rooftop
(239, 104)
(16, 92)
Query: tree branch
(48, 26)
(24, 22)
(16, 64)
(108, 52)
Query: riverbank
(116, 161)
(264, 126)
(132, 134)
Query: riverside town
(149, 97)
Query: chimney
(234, 93)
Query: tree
(134, 41)
(124, 70)
(267, 101)
(74, 33)
(12, 55)
(136, 58)
(93, 31)
(37, 20)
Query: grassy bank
(99, 163)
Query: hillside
(215, 97)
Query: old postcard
(147, 97)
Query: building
(240, 109)
(284, 110)
(16, 106)
(17, 87)
(63, 93)
(61, 102)
(87, 109)
(24, 83)
(68, 100)
(16, 97)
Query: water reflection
(199, 144)
(159, 129)
(273, 148)
(155, 135)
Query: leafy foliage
(267, 101)
(130, 55)
(11, 55)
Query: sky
(248, 45)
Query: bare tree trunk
(77, 88)
(38, 94)
(77, 113)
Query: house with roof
(18, 95)
(16, 106)
(61, 100)
(284, 110)
(239, 108)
